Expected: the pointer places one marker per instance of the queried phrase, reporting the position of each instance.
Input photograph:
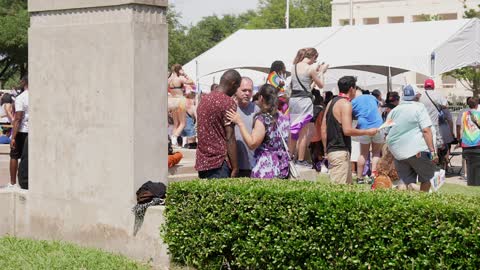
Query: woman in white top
(6, 109)
(304, 74)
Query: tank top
(305, 80)
(336, 140)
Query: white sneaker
(10, 186)
(174, 140)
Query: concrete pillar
(98, 130)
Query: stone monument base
(17, 220)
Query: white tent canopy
(429, 48)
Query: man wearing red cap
(434, 102)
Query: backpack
(148, 191)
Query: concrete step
(4, 149)
(188, 154)
(184, 167)
(187, 173)
(182, 177)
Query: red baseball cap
(429, 84)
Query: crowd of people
(239, 133)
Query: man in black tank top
(337, 131)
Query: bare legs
(300, 146)
(13, 171)
(179, 122)
(364, 153)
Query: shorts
(189, 130)
(378, 139)
(409, 169)
(340, 168)
(19, 143)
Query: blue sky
(193, 10)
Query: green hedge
(256, 224)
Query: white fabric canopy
(428, 48)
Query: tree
(176, 38)
(14, 23)
(303, 13)
(186, 44)
(469, 76)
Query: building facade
(365, 12)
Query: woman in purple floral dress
(266, 138)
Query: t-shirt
(246, 161)
(405, 138)
(460, 114)
(211, 134)
(365, 109)
(431, 109)
(21, 105)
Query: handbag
(292, 168)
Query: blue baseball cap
(410, 92)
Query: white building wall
(405, 11)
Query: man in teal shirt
(411, 142)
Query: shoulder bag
(441, 116)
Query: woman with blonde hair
(177, 82)
(305, 73)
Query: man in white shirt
(20, 131)
(434, 102)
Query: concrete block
(102, 64)
(7, 212)
(50, 5)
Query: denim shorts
(189, 130)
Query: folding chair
(450, 167)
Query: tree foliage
(14, 22)
(469, 76)
(303, 13)
(188, 43)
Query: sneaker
(303, 163)
(10, 186)
(368, 179)
(360, 181)
(174, 140)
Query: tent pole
(351, 12)
(199, 90)
(389, 79)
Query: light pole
(351, 12)
(287, 15)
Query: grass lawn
(30, 254)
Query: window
(398, 19)
(343, 22)
(449, 82)
(421, 18)
(371, 21)
(448, 16)
(421, 80)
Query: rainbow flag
(471, 129)
(275, 80)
